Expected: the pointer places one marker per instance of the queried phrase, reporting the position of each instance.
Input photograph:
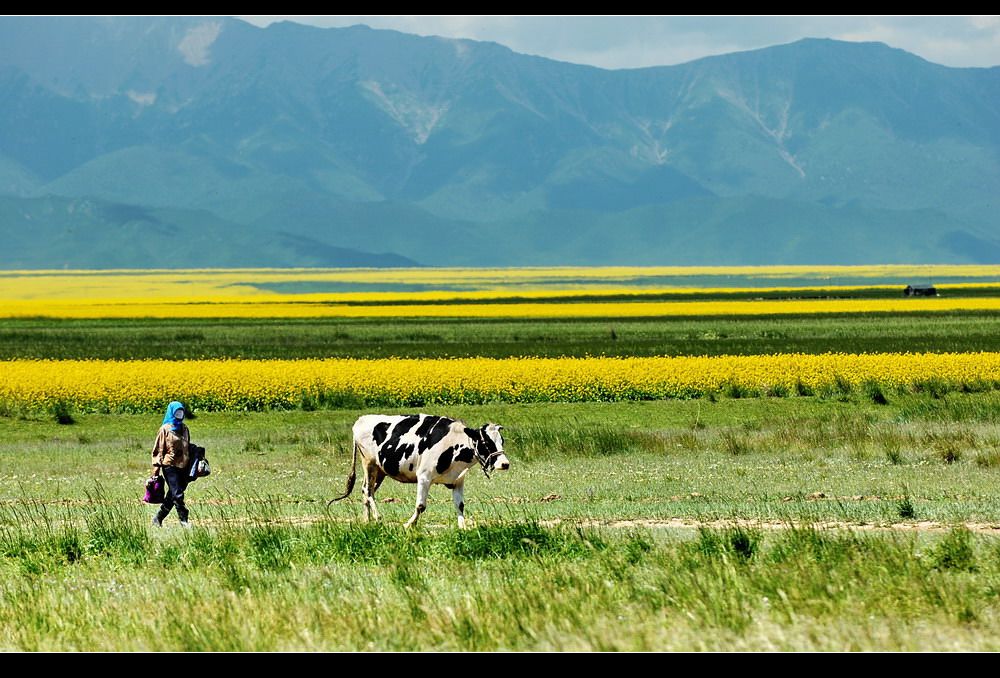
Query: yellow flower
(96, 385)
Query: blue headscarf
(170, 418)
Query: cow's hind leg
(373, 478)
(379, 477)
(458, 496)
(423, 486)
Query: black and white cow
(421, 449)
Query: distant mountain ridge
(297, 146)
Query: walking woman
(171, 453)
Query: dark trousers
(177, 482)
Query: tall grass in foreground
(261, 584)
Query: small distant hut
(920, 291)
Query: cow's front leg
(423, 486)
(458, 496)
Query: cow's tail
(351, 478)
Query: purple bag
(154, 490)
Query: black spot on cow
(392, 453)
(465, 454)
(411, 467)
(461, 507)
(404, 425)
(435, 434)
(426, 425)
(450, 486)
(444, 461)
(380, 431)
(389, 461)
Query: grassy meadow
(765, 523)
(268, 338)
(855, 517)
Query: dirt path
(691, 524)
(632, 523)
(657, 524)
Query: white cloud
(142, 98)
(985, 22)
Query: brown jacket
(170, 448)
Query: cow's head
(490, 450)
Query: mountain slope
(450, 152)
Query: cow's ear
(499, 427)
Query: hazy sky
(632, 41)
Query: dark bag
(198, 465)
(154, 490)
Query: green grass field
(742, 524)
(425, 338)
(758, 459)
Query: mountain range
(130, 142)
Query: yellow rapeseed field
(524, 292)
(166, 284)
(93, 385)
(278, 308)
